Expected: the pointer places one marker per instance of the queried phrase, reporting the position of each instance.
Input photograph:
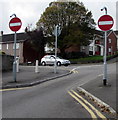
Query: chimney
(1, 33)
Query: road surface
(52, 99)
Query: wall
(10, 51)
(112, 44)
(6, 62)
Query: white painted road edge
(97, 100)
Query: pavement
(103, 96)
(28, 77)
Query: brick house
(23, 50)
(116, 32)
(97, 45)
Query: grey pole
(105, 53)
(14, 64)
(55, 65)
(105, 63)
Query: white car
(50, 60)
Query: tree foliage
(74, 19)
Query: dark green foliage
(37, 41)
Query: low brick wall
(6, 62)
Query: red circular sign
(105, 22)
(15, 24)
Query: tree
(74, 19)
(37, 41)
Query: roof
(116, 32)
(98, 32)
(10, 37)
(101, 33)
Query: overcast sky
(29, 11)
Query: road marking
(98, 113)
(13, 89)
(89, 110)
(74, 71)
(100, 75)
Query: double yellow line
(91, 109)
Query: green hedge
(91, 59)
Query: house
(96, 46)
(23, 49)
(26, 53)
(116, 32)
(7, 45)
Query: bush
(92, 59)
(74, 55)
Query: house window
(90, 48)
(109, 49)
(109, 40)
(7, 47)
(17, 46)
(0, 46)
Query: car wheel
(58, 63)
(43, 63)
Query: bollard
(36, 67)
(17, 65)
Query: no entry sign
(15, 24)
(105, 22)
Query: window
(109, 49)
(17, 46)
(0, 46)
(109, 40)
(90, 48)
(7, 47)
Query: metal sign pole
(15, 24)
(55, 65)
(105, 63)
(105, 23)
(14, 64)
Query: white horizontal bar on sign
(105, 22)
(15, 24)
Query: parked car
(50, 60)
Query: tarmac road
(52, 98)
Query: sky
(29, 11)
